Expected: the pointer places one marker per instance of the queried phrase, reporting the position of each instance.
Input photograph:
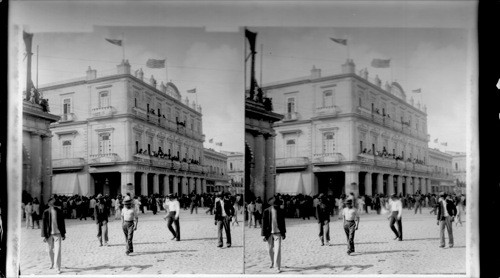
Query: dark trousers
(394, 219)
(418, 207)
(194, 207)
(102, 231)
(324, 231)
(128, 231)
(177, 232)
(350, 228)
(224, 223)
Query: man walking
(224, 210)
(54, 231)
(101, 218)
(351, 223)
(274, 231)
(396, 209)
(174, 208)
(323, 216)
(130, 218)
(445, 216)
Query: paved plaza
(154, 252)
(376, 251)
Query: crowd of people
(385, 154)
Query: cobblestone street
(154, 252)
(376, 251)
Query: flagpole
(123, 46)
(37, 55)
(347, 44)
(166, 72)
(245, 62)
(261, 54)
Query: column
(34, 187)
(368, 184)
(416, 185)
(198, 186)
(270, 170)
(46, 187)
(144, 184)
(380, 183)
(191, 184)
(409, 188)
(166, 186)
(204, 185)
(175, 181)
(390, 185)
(400, 185)
(352, 182)
(423, 185)
(185, 189)
(156, 183)
(429, 185)
(259, 167)
(127, 177)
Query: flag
(211, 140)
(192, 91)
(155, 64)
(417, 91)
(435, 140)
(444, 143)
(218, 143)
(340, 41)
(115, 42)
(251, 36)
(380, 63)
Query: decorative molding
(103, 87)
(328, 86)
(66, 132)
(99, 130)
(291, 131)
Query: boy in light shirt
(351, 224)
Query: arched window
(67, 149)
(104, 99)
(328, 143)
(290, 150)
(328, 98)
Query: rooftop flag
(381, 63)
(218, 143)
(155, 64)
(417, 91)
(339, 41)
(192, 91)
(115, 42)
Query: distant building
(235, 170)
(123, 133)
(442, 172)
(348, 133)
(459, 165)
(216, 176)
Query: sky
(431, 59)
(211, 62)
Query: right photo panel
(355, 150)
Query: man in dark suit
(274, 231)
(445, 216)
(323, 216)
(54, 231)
(224, 211)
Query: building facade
(442, 172)
(235, 170)
(459, 164)
(217, 178)
(348, 133)
(123, 134)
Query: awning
(65, 184)
(290, 183)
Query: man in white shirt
(174, 209)
(396, 209)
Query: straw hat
(127, 200)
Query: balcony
(70, 117)
(102, 112)
(327, 111)
(385, 162)
(420, 168)
(176, 165)
(140, 113)
(184, 166)
(292, 162)
(293, 116)
(103, 159)
(76, 163)
(331, 158)
(366, 158)
(195, 168)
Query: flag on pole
(417, 91)
(115, 42)
(218, 143)
(339, 41)
(435, 140)
(444, 143)
(211, 140)
(192, 91)
(381, 63)
(155, 64)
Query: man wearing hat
(323, 216)
(396, 209)
(174, 208)
(130, 218)
(445, 216)
(224, 211)
(274, 231)
(54, 231)
(101, 218)
(351, 224)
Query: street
(376, 251)
(154, 252)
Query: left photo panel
(132, 151)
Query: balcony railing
(68, 163)
(176, 165)
(107, 158)
(140, 113)
(327, 111)
(328, 158)
(385, 162)
(293, 116)
(69, 117)
(195, 168)
(292, 162)
(366, 158)
(107, 111)
(184, 166)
